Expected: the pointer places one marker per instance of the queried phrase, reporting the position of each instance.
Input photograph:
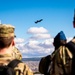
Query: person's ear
(13, 43)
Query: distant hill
(31, 59)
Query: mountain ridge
(31, 59)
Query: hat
(6, 30)
(60, 36)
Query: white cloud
(48, 41)
(40, 36)
(19, 40)
(37, 30)
(35, 48)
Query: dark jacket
(71, 47)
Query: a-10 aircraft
(38, 21)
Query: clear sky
(36, 39)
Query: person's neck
(6, 50)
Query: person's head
(60, 39)
(6, 35)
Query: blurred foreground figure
(9, 55)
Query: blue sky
(36, 39)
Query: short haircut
(5, 41)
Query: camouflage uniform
(7, 31)
(16, 53)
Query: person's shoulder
(16, 53)
(23, 67)
(16, 50)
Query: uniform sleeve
(23, 69)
